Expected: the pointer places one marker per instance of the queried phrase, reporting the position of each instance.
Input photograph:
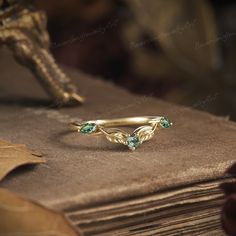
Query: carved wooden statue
(23, 30)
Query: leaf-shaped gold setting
(115, 135)
(142, 133)
(145, 133)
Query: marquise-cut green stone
(133, 142)
(88, 128)
(165, 123)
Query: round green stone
(165, 123)
(133, 142)
(88, 128)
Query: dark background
(180, 51)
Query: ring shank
(128, 121)
(121, 122)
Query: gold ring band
(148, 126)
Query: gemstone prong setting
(88, 128)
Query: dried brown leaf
(21, 217)
(15, 155)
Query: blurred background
(179, 51)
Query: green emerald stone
(88, 128)
(133, 142)
(165, 123)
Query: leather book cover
(105, 187)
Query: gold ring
(149, 124)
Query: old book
(168, 186)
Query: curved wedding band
(147, 127)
